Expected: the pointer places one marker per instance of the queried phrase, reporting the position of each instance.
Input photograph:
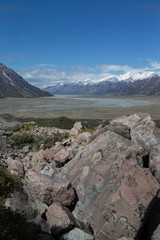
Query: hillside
(13, 85)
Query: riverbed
(79, 106)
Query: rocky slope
(127, 84)
(102, 185)
(13, 85)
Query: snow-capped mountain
(129, 77)
(13, 85)
(147, 83)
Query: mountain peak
(146, 83)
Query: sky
(51, 41)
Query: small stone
(77, 234)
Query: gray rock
(49, 171)
(77, 234)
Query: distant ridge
(13, 85)
(147, 83)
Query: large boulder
(113, 190)
(46, 189)
(60, 219)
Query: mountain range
(147, 83)
(13, 85)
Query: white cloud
(44, 75)
(120, 68)
(154, 64)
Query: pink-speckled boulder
(113, 190)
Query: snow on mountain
(128, 77)
(146, 83)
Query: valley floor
(106, 107)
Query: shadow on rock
(151, 220)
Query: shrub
(21, 140)
(50, 141)
(67, 135)
(27, 127)
(8, 183)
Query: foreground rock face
(113, 191)
(101, 186)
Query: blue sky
(71, 40)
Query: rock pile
(101, 186)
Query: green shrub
(21, 140)
(26, 127)
(38, 140)
(67, 135)
(8, 183)
(15, 128)
(50, 141)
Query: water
(106, 102)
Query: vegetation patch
(21, 140)
(63, 122)
(8, 183)
(50, 141)
(157, 123)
